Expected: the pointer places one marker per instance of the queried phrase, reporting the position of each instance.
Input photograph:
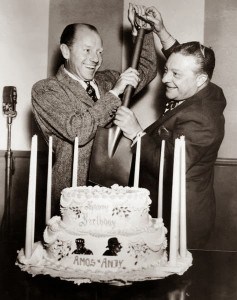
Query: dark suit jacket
(200, 119)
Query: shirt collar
(82, 82)
(76, 78)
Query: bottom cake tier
(117, 259)
(40, 264)
(102, 252)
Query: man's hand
(128, 77)
(139, 10)
(126, 120)
(153, 16)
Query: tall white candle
(183, 226)
(161, 177)
(30, 217)
(137, 163)
(75, 163)
(49, 181)
(174, 226)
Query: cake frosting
(106, 229)
(105, 210)
(104, 233)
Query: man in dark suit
(194, 109)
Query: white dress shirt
(82, 82)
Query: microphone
(9, 101)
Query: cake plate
(39, 264)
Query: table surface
(213, 276)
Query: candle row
(178, 210)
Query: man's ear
(65, 51)
(201, 79)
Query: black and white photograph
(118, 149)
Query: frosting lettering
(91, 206)
(98, 221)
(111, 263)
(81, 261)
(105, 263)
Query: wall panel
(220, 34)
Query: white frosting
(118, 210)
(54, 268)
(138, 251)
(97, 214)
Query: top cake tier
(99, 210)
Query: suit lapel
(163, 118)
(102, 83)
(75, 86)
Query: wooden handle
(135, 60)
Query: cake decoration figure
(114, 247)
(81, 249)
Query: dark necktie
(91, 91)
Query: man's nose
(166, 78)
(94, 57)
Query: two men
(63, 109)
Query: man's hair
(69, 32)
(205, 56)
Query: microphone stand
(9, 110)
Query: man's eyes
(87, 50)
(176, 74)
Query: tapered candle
(49, 181)
(174, 226)
(30, 217)
(161, 177)
(34, 194)
(75, 163)
(183, 226)
(137, 163)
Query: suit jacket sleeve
(147, 66)
(167, 52)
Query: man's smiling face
(181, 77)
(85, 56)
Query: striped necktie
(91, 91)
(171, 105)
